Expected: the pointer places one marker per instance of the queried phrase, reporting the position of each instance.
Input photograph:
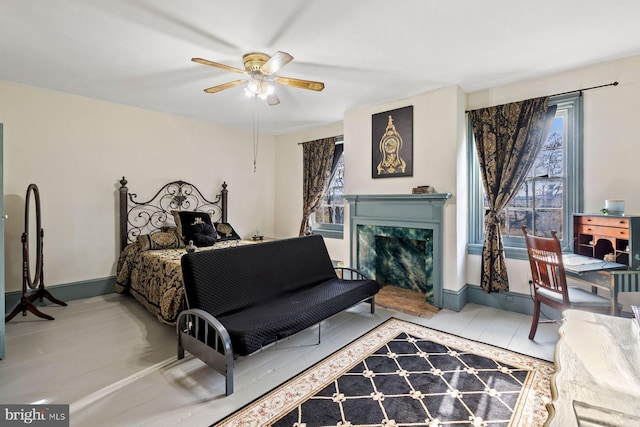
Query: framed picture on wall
(392, 143)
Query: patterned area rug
(403, 374)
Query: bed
(152, 243)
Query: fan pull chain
(256, 126)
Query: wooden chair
(550, 282)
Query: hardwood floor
(116, 365)
(405, 300)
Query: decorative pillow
(195, 226)
(160, 240)
(203, 234)
(226, 231)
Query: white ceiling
(367, 52)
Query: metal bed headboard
(138, 218)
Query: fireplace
(397, 240)
(397, 256)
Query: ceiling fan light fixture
(265, 90)
(257, 88)
(253, 88)
(260, 69)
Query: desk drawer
(596, 230)
(604, 221)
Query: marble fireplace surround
(412, 211)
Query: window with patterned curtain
(328, 219)
(317, 161)
(551, 193)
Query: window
(551, 193)
(328, 219)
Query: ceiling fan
(260, 69)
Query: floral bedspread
(154, 278)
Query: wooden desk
(597, 371)
(596, 235)
(612, 277)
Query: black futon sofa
(243, 298)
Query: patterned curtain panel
(508, 138)
(317, 160)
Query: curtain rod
(338, 138)
(573, 91)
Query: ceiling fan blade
(224, 86)
(299, 83)
(217, 65)
(273, 99)
(277, 61)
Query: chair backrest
(220, 281)
(547, 268)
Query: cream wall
(437, 141)
(76, 149)
(610, 139)
(441, 157)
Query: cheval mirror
(37, 280)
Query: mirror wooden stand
(26, 301)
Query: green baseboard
(510, 301)
(452, 300)
(455, 300)
(67, 292)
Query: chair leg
(536, 319)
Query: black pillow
(203, 234)
(195, 226)
(226, 232)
